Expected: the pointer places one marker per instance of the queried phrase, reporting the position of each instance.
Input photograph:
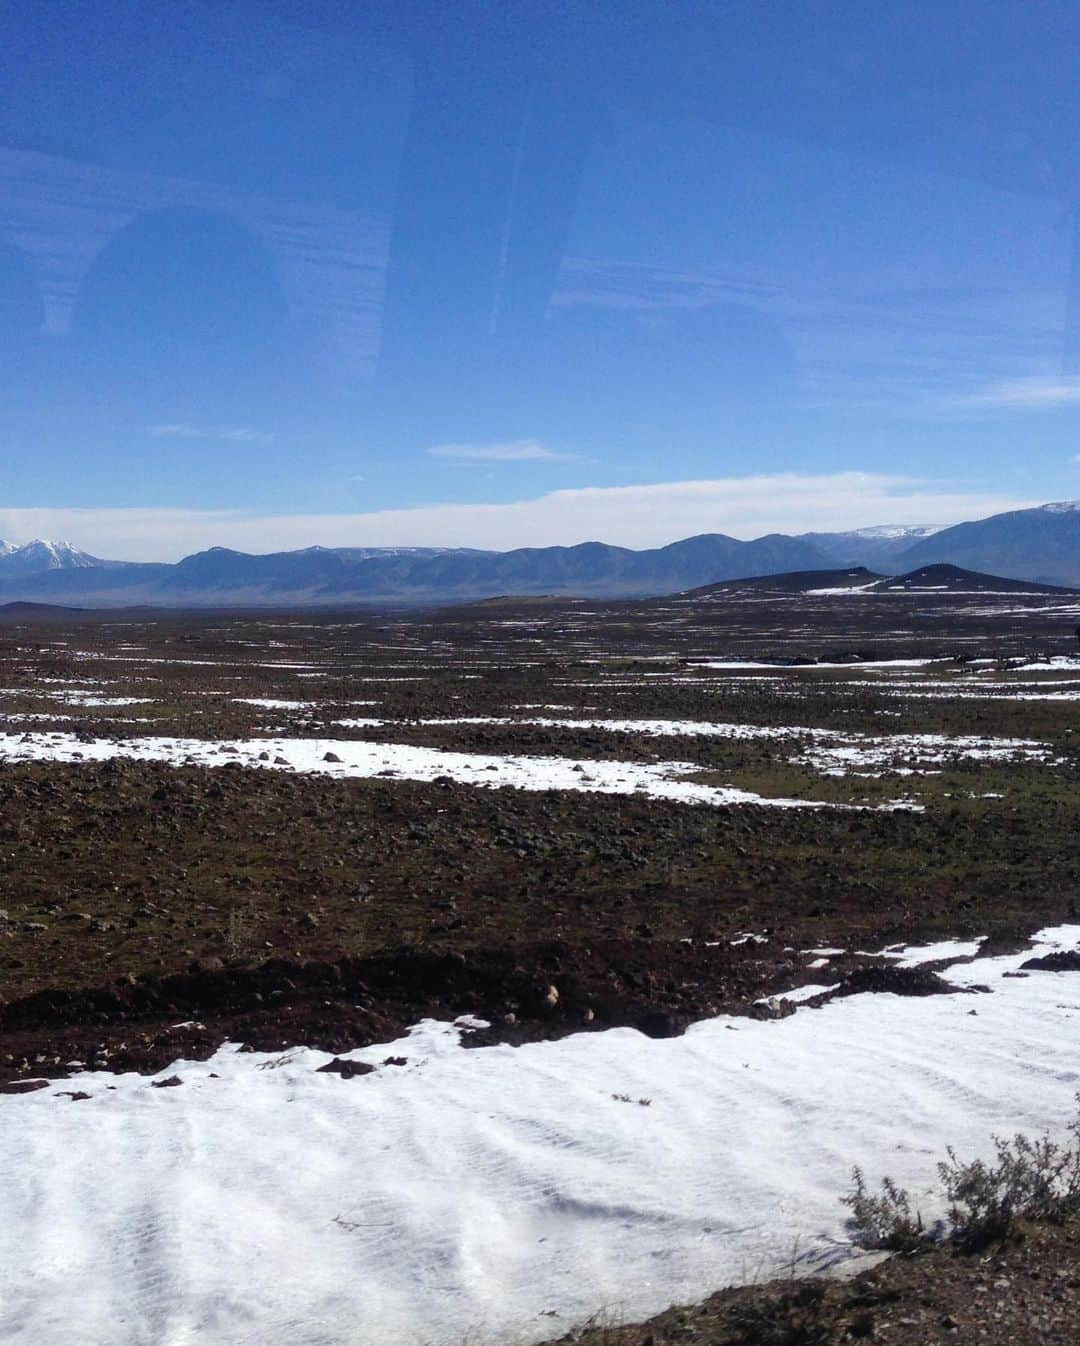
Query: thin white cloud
(174, 430)
(242, 434)
(635, 516)
(509, 451)
(1032, 394)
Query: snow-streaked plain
(351, 758)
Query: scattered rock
(1064, 961)
(346, 1069)
(660, 1024)
(897, 980)
(773, 1008)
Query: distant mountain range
(1041, 545)
(869, 546)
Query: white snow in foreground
(654, 780)
(469, 1193)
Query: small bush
(885, 1219)
(1026, 1180)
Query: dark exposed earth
(1024, 1291)
(151, 911)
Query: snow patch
(505, 1193)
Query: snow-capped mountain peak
(1063, 507)
(38, 555)
(896, 530)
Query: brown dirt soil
(150, 912)
(271, 907)
(1024, 1292)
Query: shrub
(1026, 1180)
(885, 1219)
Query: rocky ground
(151, 909)
(1023, 1292)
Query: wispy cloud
(238, 434)
(637, 516)
(509, 451)
(1031, 394)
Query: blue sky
(508, 273)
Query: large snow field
(498, 1195)
(831, 754)
(350, 758)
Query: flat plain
(543, 819)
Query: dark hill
(858, 580)
(791, 582)
(955, 579)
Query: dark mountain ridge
(220, 576)
(1032, 545)
(1028, 544)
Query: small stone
(331, 757)
(309, 921)
(346, 1069)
